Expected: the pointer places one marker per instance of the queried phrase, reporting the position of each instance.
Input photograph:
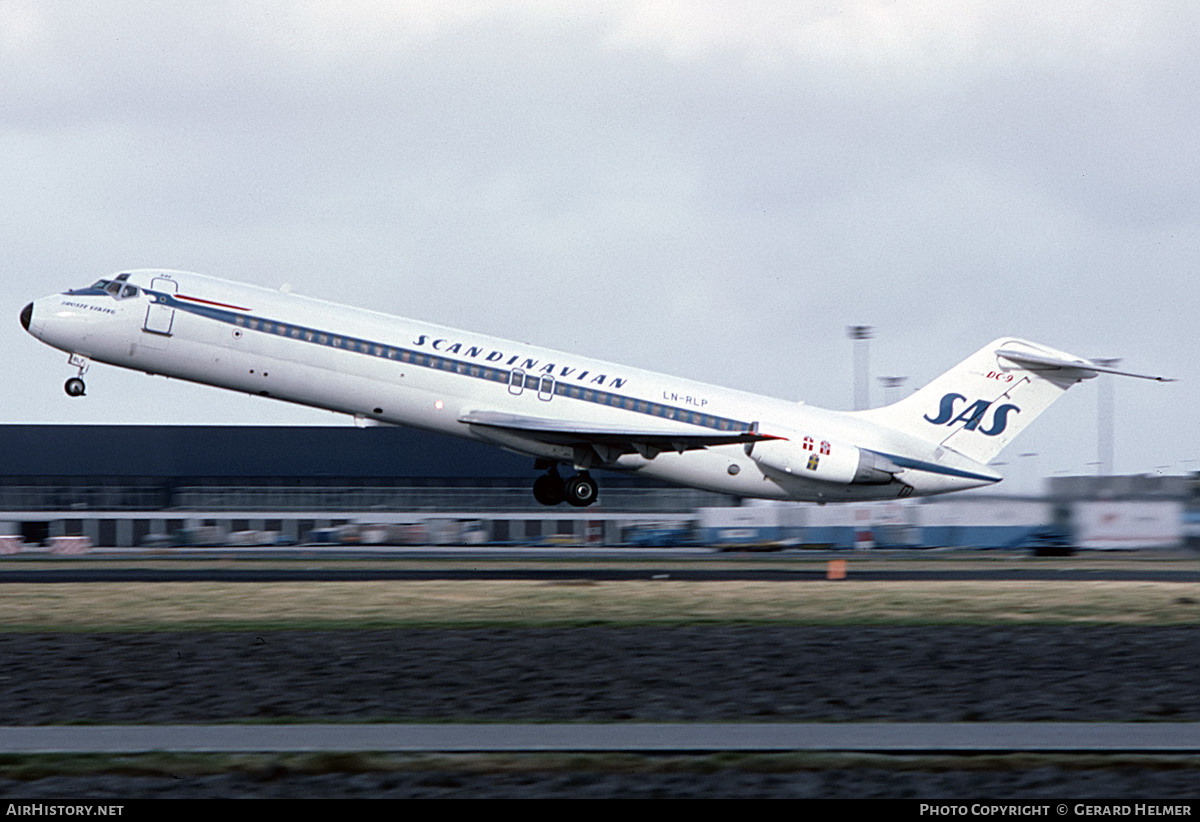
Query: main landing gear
(579, 490)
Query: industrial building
(130, 485)
(73, 486)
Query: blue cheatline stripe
(516, 377)
(934, 468)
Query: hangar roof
(248, 451)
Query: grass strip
(170, 606)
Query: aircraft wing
(607, 441)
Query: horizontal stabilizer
(1038, 361)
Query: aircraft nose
(26, 316)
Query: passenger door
(160, 318)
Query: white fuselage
(394, 370)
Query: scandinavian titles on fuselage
(527, 364)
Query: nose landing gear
(579, 490)
(75, 386)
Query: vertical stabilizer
(980, 405)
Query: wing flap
(609, 441)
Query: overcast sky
(715, 190)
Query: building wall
(132, 485)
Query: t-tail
(980, 405)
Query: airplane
(559, 409)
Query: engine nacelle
(824, 461)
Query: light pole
(1104, 421)
(890, 383)
(862, 386)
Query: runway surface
(607, 564)
(77, 573)
(876, 737)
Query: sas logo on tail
(973, 415)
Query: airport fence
(514, 499)
(84, 498)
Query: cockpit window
(117, 288)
